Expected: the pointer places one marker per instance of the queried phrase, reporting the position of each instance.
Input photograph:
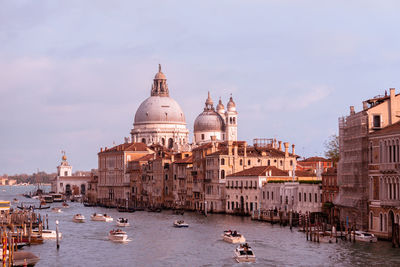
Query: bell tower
(231, 121)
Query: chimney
(245, 149)
(286, 144)
(352, 112)
(230, 148)
(365, 105)
(274, 146)
(293, 149)
(392, 106)
(235, 150)
(101, 149)
(280, 145)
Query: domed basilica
(160, 120)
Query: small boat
(362, 236)
(24, 258)
(122, 222)
(15, 200)
(180, 224)
(55, 209)
(79, 218)
(57, 197)
(233, 237)
(244, 253)
(153, 209)
(122, 209)
(48, 234)
(65, 205)
(42, 202)
(326, 237)
(87, 204)
(27, 195)
(118, 235)
(101, 217)
(48, 198)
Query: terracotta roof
(145, 158)
(207, 145)
(391, 129)
(314, 159)
(127, 147)
(260, 171)
(305, 173)
(185, 160)
(330, 171)
(252, 151)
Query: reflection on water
(156, 243)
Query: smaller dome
(209, 120)
(231, 105)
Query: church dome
(159, 109)
(209, 120)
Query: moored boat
(118, 235)
(48, 234)
(233, 237)
(180, 224)
(101, 217)
(244, 253)
(122, 222)
(362, 236)
(57, 197)
(79, 218)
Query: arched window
(163, 141)
(223, 174)
(222, 161)
(385, 222)
(170, 143)
(371, 221)
(269, 163)
(234, 120)
(143, 140)
(380, 223)
(241, 162)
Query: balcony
(389, 167)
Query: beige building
(114, 182)
(354, 131)
(384, 181)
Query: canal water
(154, 242)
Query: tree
(332, 148)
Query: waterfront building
(384, 181)
(160, 119)
(330, 190)
(114, 187)
(243, 188)
(354, 131)
(91, 195)
(68, 184)
(216, 125)
(183, 181)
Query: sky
(73, 73)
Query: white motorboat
(180, 224)
(233, 237)
(122, 222)
(101, 217)
(244, 253)
(55, 209)
(79, 218)
(326, 237)
(362, 236)
(118, 236)
(48, 234)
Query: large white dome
(159, 109)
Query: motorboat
(15, 200)
(79, 218)
(326, 237)
(48, 234)
(233, 237)
(65, 205)
(57, 197)
(56, 209)
(362, 236)
(122, 222)
(101, 217)
(180, 224)
(244, 253)
(48, 198)
(118, 236)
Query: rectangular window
(228, 205)
(267, 194)
(305, 197)
(272, 195)
(316, 198)
(263, 194)
(377, 121)
(299, 196)
(309, 197)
